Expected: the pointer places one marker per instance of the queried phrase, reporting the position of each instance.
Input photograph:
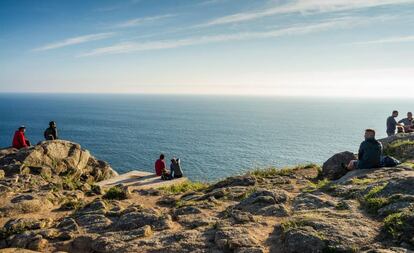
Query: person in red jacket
(160, 165)
(19, 139)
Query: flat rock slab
(140, 180)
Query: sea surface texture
(213, 136)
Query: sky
(351, 48)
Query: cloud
(127, 47)
(387, 40)
(74, 41)
(140, 21)
(303, 6)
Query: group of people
(370, 151)
(369, 154)
(405, 125)
(161, 168)
(20, 140)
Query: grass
(362, 181)
(72, 204)
(70, 183)
(115, 192)
(372, 201)
(297, 223)
(320, 184)
(408, 165)
(394, 223)
(397, 148)
(184, 187)
(271, 172)
(249, 192)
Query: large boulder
(335, 167)
(57, 157)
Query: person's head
(174, 161)
(162, 156)
(369, 133)
(409, 115)
(52, 124)
(395, 114)
(22, 129)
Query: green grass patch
(271, 172)
(72, 204)
(70, 183)
(394, 223)
(115, 192)
(408, 165)
(362, 181)
(399, 149)
(372, 202)
(184, 187)
(324, 185)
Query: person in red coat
(19, 139)
(160, 165)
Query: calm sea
(214, 136)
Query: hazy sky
(259, 47)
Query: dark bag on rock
(389, 161)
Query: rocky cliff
(49, 203)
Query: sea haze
(215, 137)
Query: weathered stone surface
(308, 201)
(335, 167)
(265, 202)
(141, 218)
(232, 238)
(93, 222)
(304, 239)
(245, 180)
(57, 157)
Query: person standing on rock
(51, 132)
(19, 139)
(408, 123)
(369, 154)
(392, 123)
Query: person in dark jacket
(51, 132)
(19, 139)
(369, 154)
(175, 168)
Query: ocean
(214, 136)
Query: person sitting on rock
(369, 154)
(19, 139)
(160, 166)
(408, 123)
(51, 132)
(392, 123)
(175, 168)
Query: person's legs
(28, 143)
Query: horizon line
(203, 94)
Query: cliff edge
(49, 203)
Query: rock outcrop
(48, 203)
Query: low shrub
(184, 187)
(115, 192)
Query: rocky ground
(49, 203)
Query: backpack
(389, 161)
